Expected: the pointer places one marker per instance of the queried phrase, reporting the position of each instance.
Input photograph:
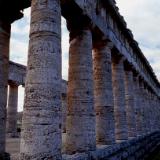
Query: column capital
(101, 43)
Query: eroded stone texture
(138, 117)
(121, 130)
(41, 126)
(64, 112)
(11, 126)
(105, 129)
(80, 127)
(4, 68)
(130, 104)
(142, 108)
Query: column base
(5, 156)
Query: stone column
(80, 127)
(4, 65)
(64, 112)
(42, 121)
(138, 118)
(121, 130)
(130, 103)
(105, 129)
(147, 112)
(152, 113)
(142, 109)
(11, 126)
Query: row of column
(105, 100)
(106, 103)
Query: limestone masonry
(110, 107)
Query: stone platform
(134, 149)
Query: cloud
(143, 18)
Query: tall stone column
(80, 127)
(12, 111)
(142, 109)
(4, 65)
(130, 103)
(138, 117)
(105, 129)
(42, 121)
(152, 112)
(147, 112)
(121, 130)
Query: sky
(142, 17)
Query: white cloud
(143, 18)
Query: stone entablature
(105, 17)
(17, 73)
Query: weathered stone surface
(138, 117)
(135, 149)
(41, 126)
(105, 129)
(130, 103)
(17, 73)
(80, 127)
(121, 130)
(142, 107)
(11, 126)
(4, 69)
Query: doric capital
(100, 43)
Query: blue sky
(142, 17)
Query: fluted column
(138, 117)
(152, 112)
(42, 121)
(64, 112)
(142, 110)
(80, 127)
(103, 93)
(130, 103)
(121, 130)
(11, 126)
(4, 65)
(147, 111)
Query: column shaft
(138, 105)
(130, 104)
(81, 117)
(4, 65)
(12, 110)
(142, 111)
(119, 98)
(105, 129)
(41, 124)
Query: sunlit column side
(105, 124)
(80, 127)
